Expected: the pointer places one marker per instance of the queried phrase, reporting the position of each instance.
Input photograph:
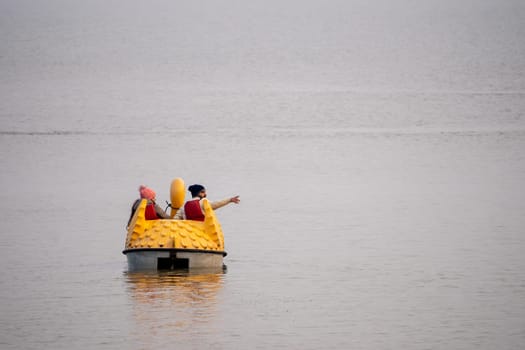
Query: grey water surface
(377, 146)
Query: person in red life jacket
(193, 209)
(153, 211)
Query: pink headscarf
(146, 192)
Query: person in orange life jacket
(153, 211)
(194, 210)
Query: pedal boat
(167, 244)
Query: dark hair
(195, 189)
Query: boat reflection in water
(173, 304)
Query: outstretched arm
(222, 203)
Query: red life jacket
(150, 212)
(193, 210)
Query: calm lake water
(377, 146)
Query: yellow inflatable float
(171, 244)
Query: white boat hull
(168, 259)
